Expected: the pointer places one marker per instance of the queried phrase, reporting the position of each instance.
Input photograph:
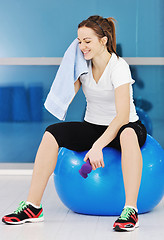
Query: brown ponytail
(112, 35)
(102, 27)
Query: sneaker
(128, 220)
(24, 213)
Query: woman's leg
(131, 165)
(44, 166)
(77, 136)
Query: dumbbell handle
(85, 169)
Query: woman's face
(89, 43)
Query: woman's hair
(102, 27)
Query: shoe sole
(29, 220)
(118, 229)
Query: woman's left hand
(95, 156)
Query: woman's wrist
(97, 145)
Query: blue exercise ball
(102, 193)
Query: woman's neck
(101, 61)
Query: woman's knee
(50, 139)
(128, 134)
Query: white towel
(62, 90)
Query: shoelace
(22, 206)
(126, 213)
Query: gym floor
(63, 224)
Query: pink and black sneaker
(128, 220)
(24, 213)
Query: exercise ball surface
(145, 119)
(102, 193)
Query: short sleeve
(121, 74)
(82, 77)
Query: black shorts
(80, 136)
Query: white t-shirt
(100, 96)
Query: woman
(110, 121)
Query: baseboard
(16, 168)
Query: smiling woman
(110, 118)
(86, 40)
(89, 43)
(110, 121)
(103, 29)
(96, 37)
